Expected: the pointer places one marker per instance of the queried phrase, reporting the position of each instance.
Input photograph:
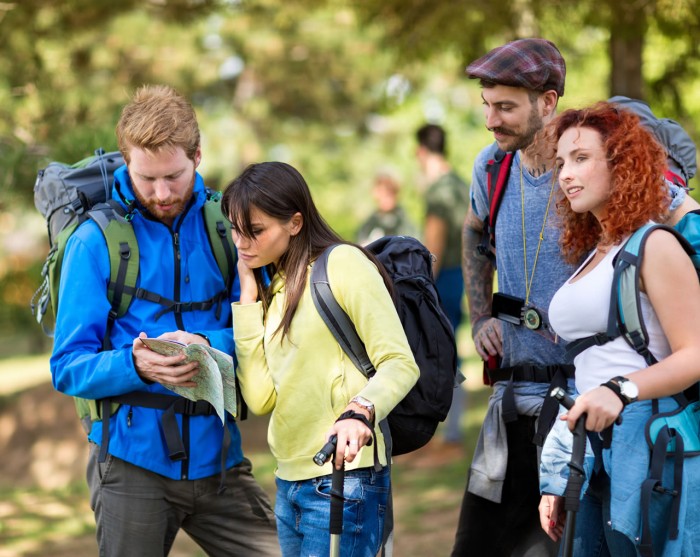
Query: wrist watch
(625, 389)
(364, 403)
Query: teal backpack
(67, 195)
(674, 434)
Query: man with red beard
(521, 84)
(158, 462)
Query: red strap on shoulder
(673, 178)
(496, 191)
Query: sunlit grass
(32, 519)
(428, 493)
(21, 372)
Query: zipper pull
(176, 242)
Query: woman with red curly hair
(611, 183)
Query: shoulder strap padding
(123, 252)
(334, 316)
(625, 305)
(122, 248)
(219, 232)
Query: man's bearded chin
(179, 203)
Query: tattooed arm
(478, 275)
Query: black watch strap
(352, 415)
(615, 388)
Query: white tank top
(580, 309)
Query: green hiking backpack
(67, 195)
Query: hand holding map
(216, 379)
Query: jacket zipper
(185, 463)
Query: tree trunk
(627, 32)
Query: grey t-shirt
(521, 345)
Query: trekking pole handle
(567, 402)
(322, 456)
(564, 399)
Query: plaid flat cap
(534, 64)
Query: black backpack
(412, 423)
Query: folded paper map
(216, 380)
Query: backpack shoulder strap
(625, 299)
(335, 318)
(498, 171)
(625, 313)
(497, 174)
(219, 232)
(123, 252)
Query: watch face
(629, 390)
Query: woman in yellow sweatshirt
(290, 364)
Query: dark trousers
(139, 513)
(511, 527)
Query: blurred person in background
(446, 202)
(389, 219)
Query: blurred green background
(336, 88)
(333, 87)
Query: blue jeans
(303, 509)
(593, 535)
(450, 287)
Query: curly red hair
(637, 163)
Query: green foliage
(66, 67)
(335, 88)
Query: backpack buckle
(124, 250)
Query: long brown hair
(279, 190)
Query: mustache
(171, 201)
(503, 131)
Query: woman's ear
(296, 223)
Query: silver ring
(352, 442)
(490, 329)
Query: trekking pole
(572, 494)
(335, 525)
(336, 519)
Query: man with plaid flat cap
(521, 84)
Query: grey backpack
(680, 148)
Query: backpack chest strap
(176, 306)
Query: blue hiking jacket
(176, 262)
